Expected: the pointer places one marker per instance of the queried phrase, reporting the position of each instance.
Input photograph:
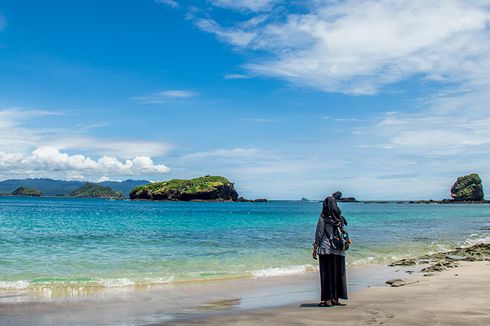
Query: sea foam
(283, 271)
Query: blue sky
(380, 99)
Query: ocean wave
(102, 283)
(476, 239)
(115, 282)
(14, 285)
(283, 271)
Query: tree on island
(93, 190)
(25, 191)
(208, 188)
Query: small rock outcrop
(468, 188)
(207, 188)
(304, 199)
(25, 191)
(258, 200)
(348, 199)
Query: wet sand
(159, 304)
(451, 288)
(455, 296)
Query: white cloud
(237, 76)
(164, 96)
(103, 178)
(170, 3)
(357, 47)
(15, 137)
(119, 148)
(253, 5)
(233, 35)
(45, 160)
(443, 130)
(51, 146)
(177, 93)
(227, 153)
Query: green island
(92, 190)
(26, 191)
(207, 188)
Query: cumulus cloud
(164, 96)
(43, 152)
(357, 47)
(49, 159)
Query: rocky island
(466, 189)
(25, 191)
(207, 188)
(92, 190)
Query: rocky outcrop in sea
(467, 188)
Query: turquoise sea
(49, 244)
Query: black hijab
(331, 213)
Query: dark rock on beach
(443, 260)
(404, 262)
(399, 282)
(467, 188)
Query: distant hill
(50, 187)
(94, 190)
(23, 191)
(124, 186)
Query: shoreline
(175, 302)
(456, 296)
(227, 300)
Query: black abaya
(333, 279)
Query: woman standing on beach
(332, 260)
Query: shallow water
(57, 246)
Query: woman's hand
(313, 254)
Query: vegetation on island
(208, 188)
(93, 190)
(64, 188)
(26, 191)
(468, 188)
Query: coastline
(178, 301)
(244, 301)
(456, 296)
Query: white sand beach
(456, 296)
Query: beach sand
(449, 288)
(455, 296)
